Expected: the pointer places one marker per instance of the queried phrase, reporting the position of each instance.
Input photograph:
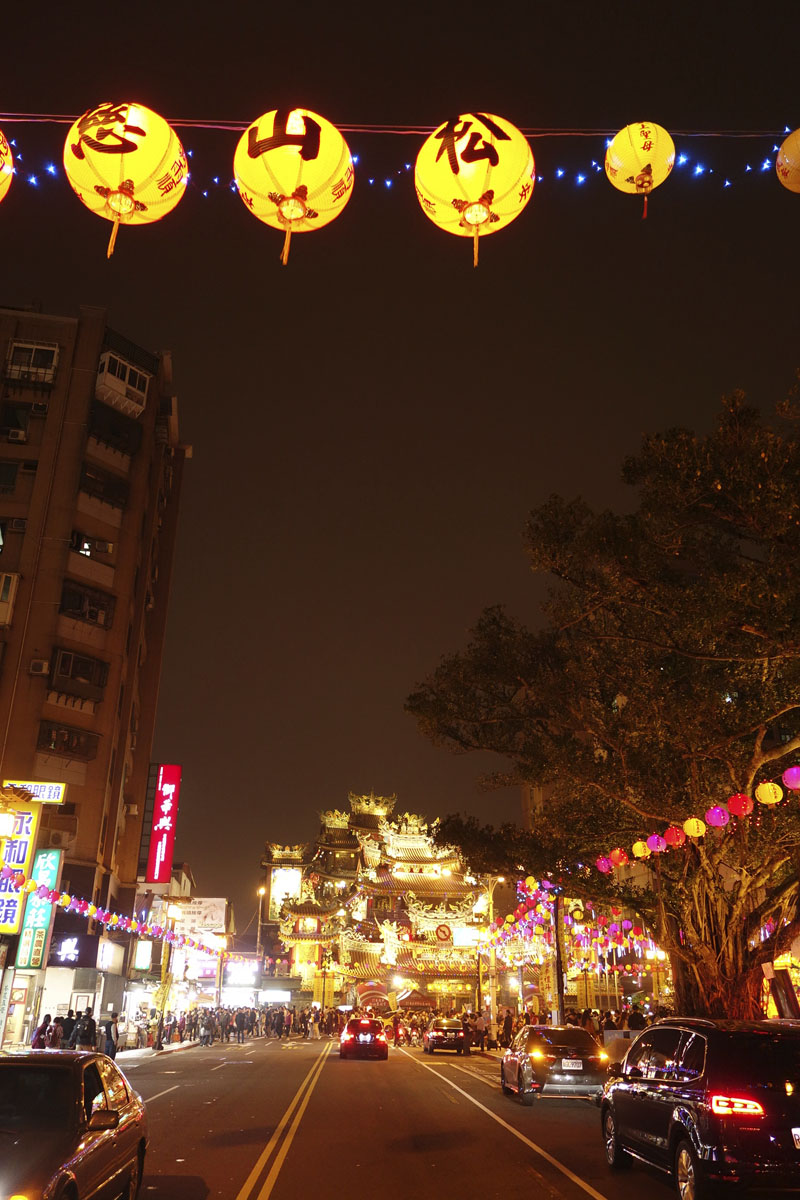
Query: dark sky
(372, 424)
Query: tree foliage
(665, 676)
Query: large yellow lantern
(640, 158)
(6, 165)
(474, 175)
(769, 793)
(787, 164)
(126, 164)
(294, 171)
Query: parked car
(363, 1037)
(553, 1060)
(70, 1124)
(443, 1033)
(711, 1102)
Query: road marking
(586, 1187)
(306, 1086)
(174, 1088)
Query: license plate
(365, 1037)
(571, 1064)
(796, 1136)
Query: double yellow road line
(297, 1106)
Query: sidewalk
(151, 1052)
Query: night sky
(372, 423)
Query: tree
(664, 678)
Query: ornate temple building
(374, 907)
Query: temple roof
(419, 882)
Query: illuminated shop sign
(16, 851)
(162, 833)
(45, 793)
(37, 923)
(284, 882)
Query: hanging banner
(17, 853)
(162, 835)
(37, 922)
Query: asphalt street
(267, 1118)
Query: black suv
(712, 1102)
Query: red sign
(444, 933)
(162, 833)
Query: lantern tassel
(112, 241)
(644, 208)
(475, 247)
(286, 242)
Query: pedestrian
(240, 1022)
(508, 1026)
(316, 1018)
(480, 1031)
(84, 1035)
(68, 1024)
(39, 1039)
(637, 1019)
(55, 1034)
(467, 1031)
(112, 1035)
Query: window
(115, 1084)
(115, 430)
(15, 416)
(693, 1060)
(66, 740)
(90, 547)
(94, 1098)
(126, 374)
(85, 604)
(33, 362)
(8, 476)
(636, 1059)
(79, 675)
(663, 1054)
(103, 486)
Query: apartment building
(90, 478)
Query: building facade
(90, 476)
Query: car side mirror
(615, 1070)
(636, 1073)
(104, 1118)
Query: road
(267, 1119)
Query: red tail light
(735, 1106)
(381, 1037)
(347, 1037)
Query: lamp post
(491, 883)
(262, 891)
(173, 913)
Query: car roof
(50, 1058)
(727, 1025)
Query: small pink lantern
(717, 816)
(604, 864)
(657, 843)
(791, 778)
(740, 805)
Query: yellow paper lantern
(641, 849)
(126, 164)
(474, 175)
(640, 158)
(694, 827)
(769, 793)
(6, 165)
(294, 171)
(787, 164)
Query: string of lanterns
(111, 920)
(767, 793)
(294, 171)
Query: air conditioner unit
(38, 409)
(39, 666)
(103, 547)
(57, 837)
(18, 524)
(132, 810)
(18, 435)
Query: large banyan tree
(665, 677)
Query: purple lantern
(791, 778)
(656, 843)
(717, 816)
(603, 864)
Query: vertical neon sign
(162, 833)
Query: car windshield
(763, 1058)
(33, 1097)
(576, 1039)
